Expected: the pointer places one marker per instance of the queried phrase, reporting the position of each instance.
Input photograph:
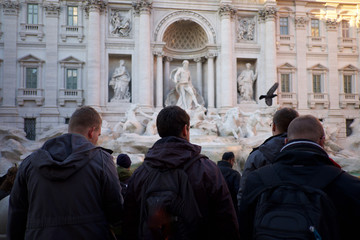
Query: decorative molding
(158, 53)
(211, 54)
(10, 7)
(185, 15)
(268, 13)
(168, 59)
(301, 22)
(227, 10)
(51, 9)
(331, 24)
(94, 5)
(142, 6)
(198, 59)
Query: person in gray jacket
(69, 188)
(266, 152)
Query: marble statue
(132, 124)
(184, 87)
(120, 83)
(230, 126)
(119, 25)
(151, 128)
(245, 83)
(249, 127)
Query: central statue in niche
(184, 95)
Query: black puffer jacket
(68, 189)
(232, 178)
(303, 162)
(209, 187)
(261, 156)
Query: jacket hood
(171, 152)
(272, 146)
(61, 157)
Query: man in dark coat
(174, 150)
(266, 152)
(69, 188)
(232, 177)
(303, 161)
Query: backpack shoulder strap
(268, 176)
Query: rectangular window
(71, 78)
(347, 84)
(345, 28)
(31, 78)
(30, 128)
(32, 14)
(72, 16)
(317, 83)
(315, 28)
(285, 82)
(284, 26)
(67, 120)
(348, 126)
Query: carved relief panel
(120, 23)
(245, 30)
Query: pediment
(30, 59)
(71, 60)
(349, 68)
(318, 67)
(286, 66)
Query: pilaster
(159, 79)
(211, 79)
(227, 89)
(145, 80)
(198, 83)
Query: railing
(349, 43)
(71, 95)
(318, 98)
(30, 94)
(287, 98)
(31, 30)
(349, 99)
(72, 31)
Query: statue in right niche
(120, 83)
(245, 83)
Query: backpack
(286, 210)
(169, 209)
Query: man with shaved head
(304, 162)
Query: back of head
(84, 118)
(171, 120)
(227, 156)
(283, 117)
(305, 127)
(123, 160)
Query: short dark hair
(171, 120)
(83, 118)
(306, 127)
(283, 117)
(227, 156)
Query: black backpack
(286, 210)
(169, 209)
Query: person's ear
(90, 133)
(322, 141)
(273, 127)
(185, 132)
(286, 141)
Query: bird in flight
(270, 94)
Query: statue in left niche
(120, 25)
(120, 83)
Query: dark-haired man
(266, 152)
(172, 151)
(69, 188)
(303, 161)
(232, 177)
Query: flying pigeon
(270, 94)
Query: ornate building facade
(56, 55)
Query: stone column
(167, 84)
(93, 53)
(198, 84)
(145, 86)
(301, 22)
(51, 76)
(159, 79)
(10, 30)
(211, 80)
(270, 47)
(333, 91)
(228, 84)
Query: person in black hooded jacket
(69, 188)
(304, 161)
(232, 177)
(174, 150)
